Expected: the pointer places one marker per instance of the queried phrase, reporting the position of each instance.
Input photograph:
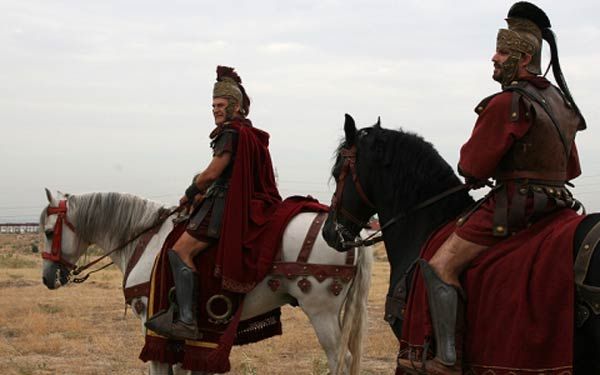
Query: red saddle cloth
(519, 309)
(211, 353)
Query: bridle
(56, 252)
(349, 164)
(56, 255)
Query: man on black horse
(524, 139)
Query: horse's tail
(354, 320)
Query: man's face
(219, 107)
(498, 59)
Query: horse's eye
(49, 233)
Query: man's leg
(441, 276)
(453, 257)
(185, 326)
(187, 247)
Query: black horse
(387, 172)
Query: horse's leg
(177, 370)
(262, 299)
(322, 309)
(159, 368)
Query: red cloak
(252, 199)
(519, 308)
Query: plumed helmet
(524, 33)
(528, 25)
(229, 85)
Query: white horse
(110, 219)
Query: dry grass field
(82, 329)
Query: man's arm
(493, 135)
(213, 171)
(205, 178)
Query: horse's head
(62, 247)
(353, 202)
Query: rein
(371, 239)
(56, 254)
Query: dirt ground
(82, 329)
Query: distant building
(12, 228)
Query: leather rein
(349, 156)
(56, 252)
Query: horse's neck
(109, 234)
(120, 257)
(404, 240)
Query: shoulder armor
(482, 104)
(224, 141)
(220, 130)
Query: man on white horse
(241, 169)
(524, 139)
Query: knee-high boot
(179, 323)
(446, 305)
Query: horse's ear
(378, 124)
(52, 200)
(350, 130)
(48, 195)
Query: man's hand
(476, 183)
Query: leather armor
(224, 140)
(543, 153)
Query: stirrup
(162, 321)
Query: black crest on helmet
(526, 10)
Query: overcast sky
(115, 95)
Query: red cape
(252, 199)
(519, 310)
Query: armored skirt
(206, 218)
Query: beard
(498, 73)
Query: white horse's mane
(123, 215)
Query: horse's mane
(120, 214)
(413, 167)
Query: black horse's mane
(413, 167)
(415, 162)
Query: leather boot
(446, 304)
(179, 323)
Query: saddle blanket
(519, 308)
(219, 309)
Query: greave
(186, 288)
(446, 306)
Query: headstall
(56, 252)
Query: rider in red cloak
(237, 191)
(524, 139)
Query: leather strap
(140, 290)
(311, 236)
(321, 272)
(584, 255)
(501, 213)
(539, 99)
(516, 214)
(137, 253)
